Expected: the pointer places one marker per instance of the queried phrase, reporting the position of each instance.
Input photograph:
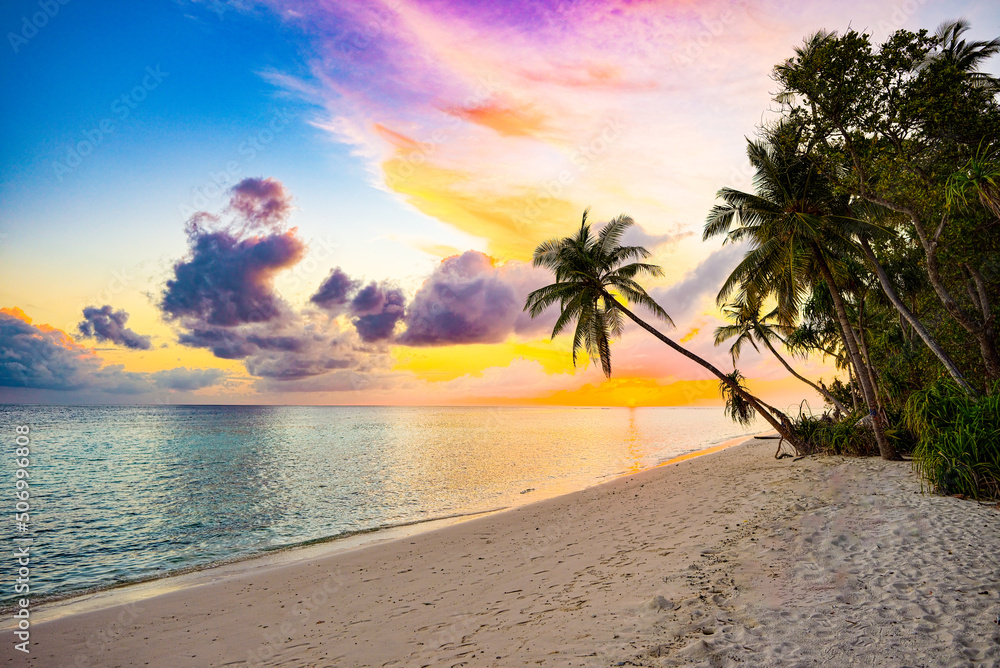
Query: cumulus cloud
(638, 236)
(260, 203)
(378, 309)
(314, 350)
(41, 357)
(228, 280)
(463, 301)
(222, 297)
(375, 308)
(335, 290)
(107, 325)
(470, 300)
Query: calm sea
(125, 493)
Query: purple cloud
(260, 203)
(107, 325)
(378, 310)
(42, 358)
(682, 298)
(227, 281)
(468, 300)
(335, 290)
(375, 308)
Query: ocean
(120, 494)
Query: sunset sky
(336, 202)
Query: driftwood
(778, 454)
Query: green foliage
(837, 438)
(979, 177)
(958, 439)
(588, 268)
(737, 407)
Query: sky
(337, 202)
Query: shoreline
(100, 597)
(734, 559)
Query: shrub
(837, 438)
(958, 439)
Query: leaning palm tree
(748, 326)
(594, 275)
(794, 224)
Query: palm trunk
(884, 446)
(850, 380)
(826, 395)
(918, 326)
(979, 330)
(782, 425)
(859, 336)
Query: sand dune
(733, 558)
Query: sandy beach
(732, 558)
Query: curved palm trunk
(884, 446)
(781, 425)
(918, 326)
(826, 395)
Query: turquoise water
(126, 493)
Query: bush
(837, 438)
(958, 439)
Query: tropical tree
(795, 225)
(594, 275)
(747, 325)
(965, 56)
(890, 124)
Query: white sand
(729, 559)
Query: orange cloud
(507, 119)
(61, 337)
(397, 139)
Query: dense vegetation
(872, 237)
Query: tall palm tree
(747, 325)
(794, 224)
(593, 275)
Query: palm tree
(794, 224)
(747, 325)
(966, 56)
(593, 274)
(979, 176)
